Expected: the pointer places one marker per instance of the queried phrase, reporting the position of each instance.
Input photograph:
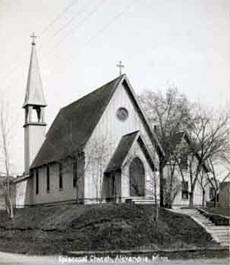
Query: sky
(162, 43)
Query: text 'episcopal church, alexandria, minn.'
(99, 148)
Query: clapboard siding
(110, 129)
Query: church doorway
(112, 186)
(137, 178)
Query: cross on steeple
(120, 66)
(33, 37)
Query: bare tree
(168, 114)
(155, 196)
(5, 137)
(208, 138)
(152, 189)
(172, 184)
(208, 134)
(213, 180)
(224, 158)
(97, 159)
(204, 182)
(221, 158)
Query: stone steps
(143, 202)
(219, 228)
(224, 242)
(140, 200)
(220, 233)
(223, 236)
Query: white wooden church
(99, 148)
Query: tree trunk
(170, 195)
(156, 213)
(191, 198)
(155, 199)
(203, 197)
(75, 175)
(215, 198)
(8, 202)
(11, 210)
(161, 173)
(9, 205)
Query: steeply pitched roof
(122, 151)
(137, 105)
(184, 135)
(34, 90)
(74, 124)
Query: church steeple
(34, 90)
(34, 106)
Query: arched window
(137, 178)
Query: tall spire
(34, 91)
(34, 107)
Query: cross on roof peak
(120, 66)
(33, 37)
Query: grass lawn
(218, 210)
(52, 230)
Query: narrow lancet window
(74, 174)
(37, 181)
(60, 177)
(48, 178)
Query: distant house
(184, 183)
(224, 194)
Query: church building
(99, 148)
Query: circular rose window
(122, 114)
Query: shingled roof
(75, 123)
(34, 89)
(122, 151)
